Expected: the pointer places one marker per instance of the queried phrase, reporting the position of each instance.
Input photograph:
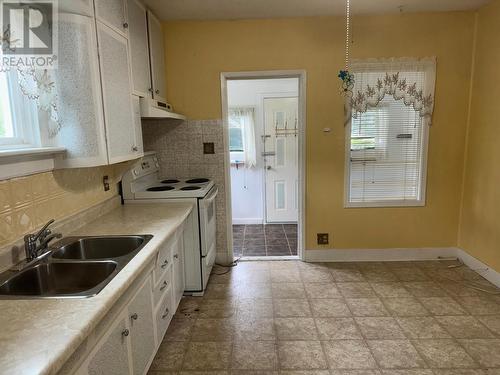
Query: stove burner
(161, 188)
(197, 181)
(191, 188)
(170, 181)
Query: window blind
(386, 150)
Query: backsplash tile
(179, 147)
(26, 203)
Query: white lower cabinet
(129, 344)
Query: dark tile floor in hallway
(294, 318)
(265, 240)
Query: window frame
(236, 156)
(421, 202)
(25, 119)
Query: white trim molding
(404, 254)
(23, 162)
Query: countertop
(39, 336)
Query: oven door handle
(210, 198)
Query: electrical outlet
(105, 183)
(323, 239)
(209, 148)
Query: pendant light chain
(348, 30)
(346, 77)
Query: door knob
(269, 168)
(125, 25)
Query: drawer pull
(176, 256)
(165, 284)
(134, 316)
(167, 312)
(125, 332)
(165, 263)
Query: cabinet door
(157, 57)
(179, 279)
(79, 94)
(117, 97)
(139, 145)
(112, 13)
(139, 52)
(83, 7)
(111, 355)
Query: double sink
(76, 267)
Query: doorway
(264, 130)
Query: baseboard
(378, 255)
(248, 221)
(407, 254)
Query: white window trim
(387, 203)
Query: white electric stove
(143, 184)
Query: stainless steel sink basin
(92, 248)
(59, 279)
(76, 267)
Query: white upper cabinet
(112, 13)
(116, 88)
(139, 52)
(157, 57)
(79, 94)
(82, 7)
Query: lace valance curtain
(245, 117)
(407, 79)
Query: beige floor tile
(378, 275)
(356, 290)
(306, 372)
(188, 308)
(258, 355)
(390, 290)
(348, 354)
(284, 275)
(405, 307)
(395, 354)
(170, 356)
(212, 330)
(425, 289)
(316, 276)
(254, 372)
(285, 308)
(347, 275)
(367, 307)
(442, 306)
(458, 290)
(301, 355)
(456, 371)
(284, 265)
(410, 274)
(355, 372)
(261, 329)
(322, 290)
(288, 290)
(253, 308)
(202, 373)
(295, 329)
(329, 307)
(337, 329)
(492, 322)
(444, 354)
(479, 305)
(408, 372)
(485, 352)
(220, 291)
(380, 328)
(179, 330)
(207, 356)
(422, 327)
(464, 327)
(254, 290)
(217, 308)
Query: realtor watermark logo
(29, 34)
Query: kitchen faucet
(35, 244)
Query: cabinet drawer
(164, 259)
(164, 315)
(163, 286)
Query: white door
(281, 159)
(157, 57)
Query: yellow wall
(480, 224)
(28, 202)
(198, 51)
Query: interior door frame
(268, 74)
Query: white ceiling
(238, 9)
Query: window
(242, 136)
(236, 134)
(18, 115)
(386, 138)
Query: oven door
(208, 224)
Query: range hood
(155, 109)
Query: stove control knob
(136, 172)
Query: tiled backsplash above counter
(179, 146)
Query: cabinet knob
(165, 263)
(150, 89)
(157, 91)
(125, 25)
(125, 332)
(165, 284)
(134, 316)
(176, 256)
(135, 148)
(167, 311)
